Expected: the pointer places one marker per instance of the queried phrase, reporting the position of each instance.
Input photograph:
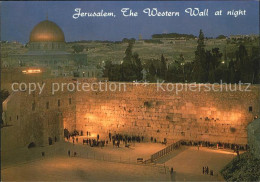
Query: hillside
(247, 168)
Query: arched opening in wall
(50, 140)
(66, 133)
(31, 145)
(165, 140)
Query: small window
(58, 102)
(250, 109)
(47, 105)
(33, 106)
(69, 101)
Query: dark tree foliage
(112, 71)
(129, 70)
(199, 67)
(246, 167)
(162, 71)
(173, 35)
(221, 37)
(77, 48)
(255, 57)
(209, 66)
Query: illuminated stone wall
(142, 110)
(33, 118)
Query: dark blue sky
(18, 19)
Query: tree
(198, 72)
(127, 65)
(231, 70)
(221, 37)
(131, 66)
(213, 60)
(255, 57)
(112, 71)
(130, 70)
(107, 69)
(137, 66)
(78, 48)
(244, 65)
(151, 73)
(162, 68)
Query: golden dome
(47, 31)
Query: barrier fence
(165, 151)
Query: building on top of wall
(47, 50)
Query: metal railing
(165, 151)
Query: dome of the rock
(47, 31)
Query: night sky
(18, 19)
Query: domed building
(47, 35)
(47, 49)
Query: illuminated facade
(47, 49)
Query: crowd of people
(118, 139)
(95, 142)
(218, 145)
(126, 139)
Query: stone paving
(121, 166)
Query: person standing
(114, 142)
(109, 135)
(69, 153)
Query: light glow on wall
(31, 71)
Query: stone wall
(37, 118)
(142, 110)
